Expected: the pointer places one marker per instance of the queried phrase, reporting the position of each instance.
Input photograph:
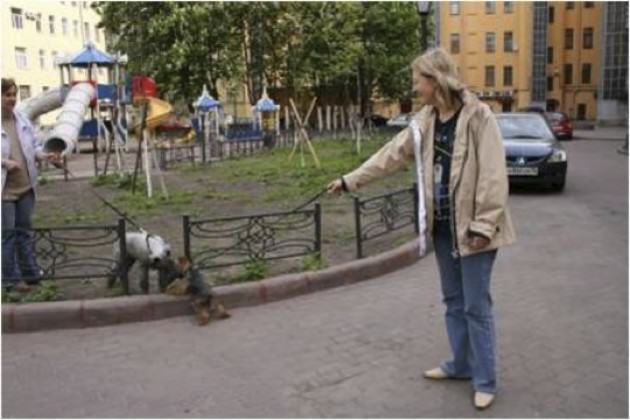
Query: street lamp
(424, 10)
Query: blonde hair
(438, 65)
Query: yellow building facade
(36, 33)
(573, 57)
(546, 54)
(490, 42)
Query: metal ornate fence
(380, 215)
(76, 252)
(222, 242)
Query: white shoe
(483, 400)
(435, 373)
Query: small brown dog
(190, 282)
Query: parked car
(401, 121)
(560, 125)
(533, 154)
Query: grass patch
(46, 291)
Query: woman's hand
(477, 242)
(10, 164)
(53, 158)
(335, 187)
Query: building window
(491, 42)
(25, 92)
(97, 34)
(454, 43)
(16, 18)
(73, 3)
(38, 22)
(587, 38)
(614, 68)
(489, 76)
(20, 58)
(42, 59)
(508, 7)
(549, 55)
(568, 39)
(45, 88)
(491, 7)
(508, 42)
(51, 24)
(568, 74)
(549, 83)
(589, 4)
(570, 5)
(86, 28)
(53, 57)
(75, 28)
(64, 26)
(454, 7)
(586, 73)
(551, 14)
(507, 76)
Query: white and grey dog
(151, 252)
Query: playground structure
(208, 117)
(98, 112)
(105, 104)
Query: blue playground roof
(91, 55)
(266, 104)
(206, 102)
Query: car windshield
(524, 127)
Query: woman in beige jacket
(463, 192)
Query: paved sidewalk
(561, 301)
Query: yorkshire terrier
(190, 281)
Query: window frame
(21, 58)
(493, 36)
(588, 33)
(17, 18)
(511, 78)
(489, 70)
(454, 5)
(567, 80)
(567, 45)
(505, 43)
(585, 66)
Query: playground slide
(159, 112)
(63, 137)
(45, 102)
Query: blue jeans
(18, 256)
(469, 321)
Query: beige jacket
(478, 183)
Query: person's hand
(10, 164)
(53, 158)
(335, 187)
(477, 242)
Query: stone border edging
(108, 311)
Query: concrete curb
(108, 311)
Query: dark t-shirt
(443, 144)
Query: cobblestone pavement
(358, 351)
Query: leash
(105, 201)
(137, 226)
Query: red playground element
(143, 86)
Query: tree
(334, 50)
